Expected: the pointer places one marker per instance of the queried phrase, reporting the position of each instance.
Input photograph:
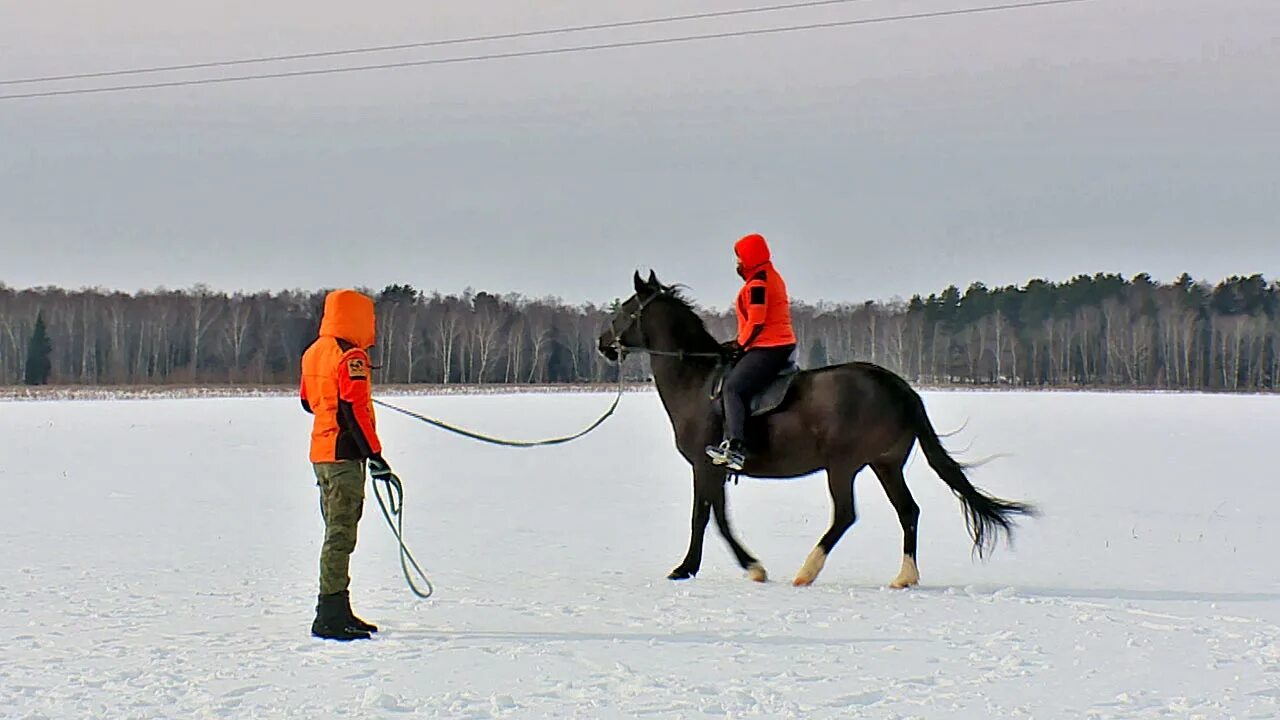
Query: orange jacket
(336, 381)
(764, 310)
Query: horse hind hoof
(680, 574)
(756, 573)
(812, 567)
(908, 576)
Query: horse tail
(985, 516)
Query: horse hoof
(679, 574)
(908, 576)
(756, 573)
(812, 566)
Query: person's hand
(379, 468)
(731, 349)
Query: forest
(1098, 331)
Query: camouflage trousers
(341, 505)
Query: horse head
(623, 331)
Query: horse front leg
(747, 561)
(698, 530)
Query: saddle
(767, 400)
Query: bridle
(632, 318)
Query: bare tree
(206, 307)
(235, 334)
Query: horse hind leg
(895, 486)
(843, 516)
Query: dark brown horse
(839, 419)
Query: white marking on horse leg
(755, 571)
(812, 566)
(909, 574)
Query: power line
(433, 43)
(550, 51)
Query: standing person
(764, 344)
(344, 437)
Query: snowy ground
(159, 562)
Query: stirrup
(736, 461)
(725, 454)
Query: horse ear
(653, 280)
(640, 286)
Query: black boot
(331, 621)
(354, 621)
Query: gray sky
(1115, 135)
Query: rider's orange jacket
(764, 310)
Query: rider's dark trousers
(751, 375)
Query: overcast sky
(881, 161)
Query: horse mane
(695, 332)
(680, 293)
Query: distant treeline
(1093, 331)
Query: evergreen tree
(39, 355)
(818, 354)
(398, 294)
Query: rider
(762, 348)
(335, 388)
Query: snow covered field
(159, 562)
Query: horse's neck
(680, 382)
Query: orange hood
(753, 252)
(350, 316)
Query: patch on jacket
(357, 369)
(757, 295)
